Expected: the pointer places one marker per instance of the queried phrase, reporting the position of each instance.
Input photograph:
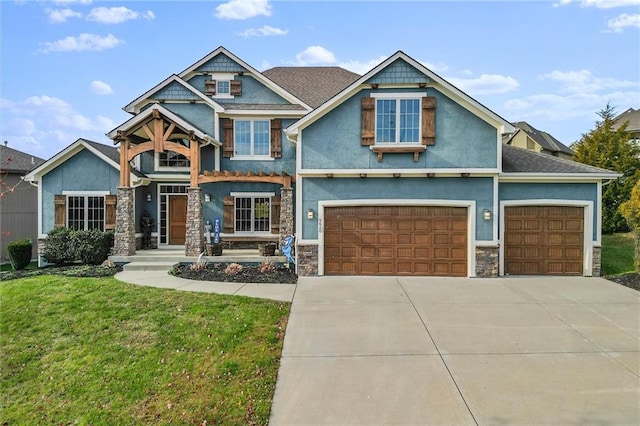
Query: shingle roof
(266, 107)
(518, 160)
(544, 139)
(312, 85)
(632, 116)
(112, 153)
(12, 160)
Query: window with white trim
(398, 120)
(252, 214)
(171, 160)
(223, 87)
(85, 212)
(251, 138)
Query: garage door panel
(397, 240)
(544, 240)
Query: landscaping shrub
(65, 246)
(20, 253)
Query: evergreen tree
(611, 149)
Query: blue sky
(69, 66)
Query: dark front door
(177, 219)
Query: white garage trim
(587, 254)
(471, 223)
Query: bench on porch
(229, 239)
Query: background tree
(611, 149)
(630, 209)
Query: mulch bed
(249, 274)
(69, 271)
(627, 280)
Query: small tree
(630, 209)
(611, 149)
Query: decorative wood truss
(160, 134)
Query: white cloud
(43, 125)
(315, 55)
(486, 84)
(265, 31)
(64, 2)
(83, 42)
(583, 81)
(61, 15)
(117, 15)
(243, 9)
(100, 88)
(601, 4)
(362, 67)
(620, 22)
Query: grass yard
(99, 351)
(617, 254)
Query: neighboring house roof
(14, 161)
(314, 85)
(544, 139)
(518, 160)
(110, 154)
(176, 118)
(632, 116)
(447, 88)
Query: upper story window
(223, 87)
(171, 160)
(251, 138)
(397, 120)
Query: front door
(177, 219)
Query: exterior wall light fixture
(149, 197)
(207, 198)
(310, 214)
(486, 214)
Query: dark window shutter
(60, 204)
(368, 121)
(110, 212)
(210, 87)
(275, 215)
(227, 137)
(428, 121)
(276, 138)
(235, 87)
(228, 219)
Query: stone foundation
(125, 233)
(596, 264)
(487, 261)
(194, 239)
(286, 213)
(307, 259)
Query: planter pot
(214, 249)
(268, 249)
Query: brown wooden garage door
(544, 240)
(395, 240)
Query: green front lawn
(617, 254)
(99, 351)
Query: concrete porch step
(149, 266)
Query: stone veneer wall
(596, 265)
(307, 259)
(125, 233)
(487, 261)
(194, 240)
(286, 213)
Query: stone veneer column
(286, 213)
(307, 259)
(125, 234)
(596, 264)
(194, 240)
(487, 261)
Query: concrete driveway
(414, 351)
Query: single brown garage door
(544, 240)
(395, 240)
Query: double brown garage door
(395, 240)
(543, 240)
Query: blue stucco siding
(175, 91)
(82, 172)
(399, 72)
(286, 163)
(200, 115)
(479, 190)
(253, 91)
(463, 140)
(553, 191)
(221, 63)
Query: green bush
(20, 253)
(65, 246)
